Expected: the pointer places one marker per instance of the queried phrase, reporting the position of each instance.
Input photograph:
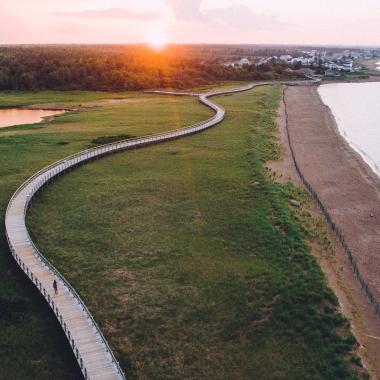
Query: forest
(126, 67)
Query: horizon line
(353, 46)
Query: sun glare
(157, 39)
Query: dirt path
(351, 193)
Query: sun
(157, 39)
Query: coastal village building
(336, 61)
(331, 66)
(244, 61)
(285, 57)
(262, 61)
(346, 65)
(330, 73)
(303, 61)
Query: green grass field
(69, 98)
(31, 343)
(190, 256)
(76, 98)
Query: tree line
(120, 68)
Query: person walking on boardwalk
(55, 286)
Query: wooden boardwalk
(91, 349)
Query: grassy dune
(192, 260)
(31, 344)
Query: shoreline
(363, 156)
(62, 109)
(42, 107)
(313, 140)
(43, 119)
(365, 167)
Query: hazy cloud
(242, 17)
(69, 27)
(219, 21)
(115, 13)
(233, 17)
(11, 27)
(187, 10)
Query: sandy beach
(351, 192)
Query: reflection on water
(357, 113)
(14, 116)
(378, 65)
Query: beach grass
(192, 260)
(32, 345)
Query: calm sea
(356, 107)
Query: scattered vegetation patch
(110, 139)
(313, 227)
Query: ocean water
(15, 116)
(356, 108)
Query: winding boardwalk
(94, 356)
(91, 349)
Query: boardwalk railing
(330, 221)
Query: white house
(348, 66)
(286, 57)
(332, 66)
(303, 61)
(244, 61)
(262, 61)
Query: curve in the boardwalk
(90, 347)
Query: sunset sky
(191, 21)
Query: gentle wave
(355, 107)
